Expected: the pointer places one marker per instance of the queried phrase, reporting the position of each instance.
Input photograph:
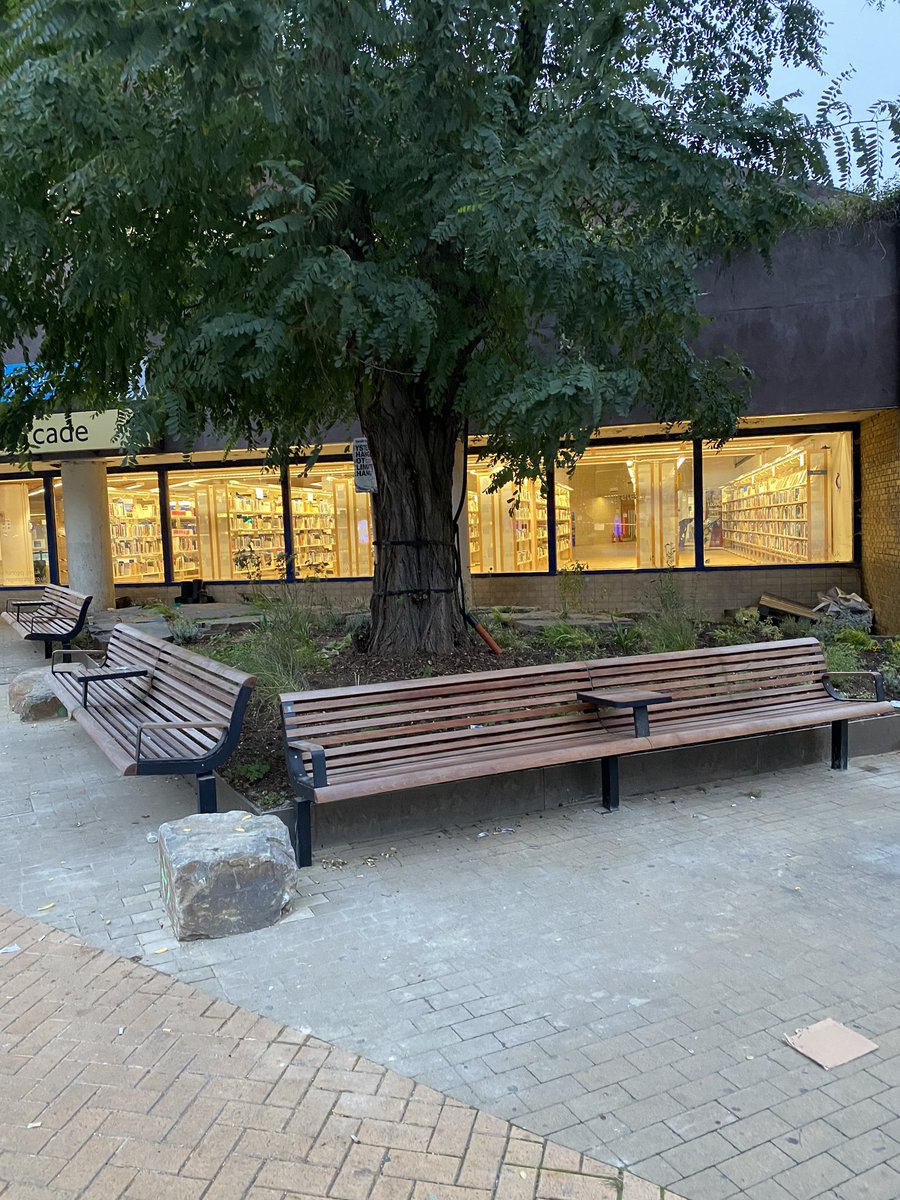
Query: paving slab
(621, 982)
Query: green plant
(185, 630)
(841, 657)
(891, 676)
(829, 628)
(504, 632)
(161, 608)
(564, 637)
(795, 627)
(249, 772)
(570, 585)
(892, 653)
(671, 621)
(250, 563)
(857, 638)
(280, 650)
(747, 626)
(625, 638)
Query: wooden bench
(58, 616)
(154, 708)
(349, 743)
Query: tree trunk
(415, 598)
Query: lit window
(627, 507)
(135, 528)
(779, 500)
(24, 559)
(331, 523)
(226, 524)
(504, 539)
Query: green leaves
(271, 211)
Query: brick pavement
(118, 1081)
(622, 984)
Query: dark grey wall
(820, 328)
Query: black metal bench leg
(48, 649)
(609, 777)
(839, 745)
(304, 833)
(206, 793)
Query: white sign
(363, 470)
(58, 433)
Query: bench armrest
(18, 605)
(874, 676)
(293, 751)
(150, 725)
(75, 658)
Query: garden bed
(299, 646)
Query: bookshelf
(135, 535)
(765, 513)
(185, 539)
(563, 525)
(474, 526)
(255, 530)
(315, 543)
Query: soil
(261, 752)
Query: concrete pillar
(87, 530)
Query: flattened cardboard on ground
(830, 1044)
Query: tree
(270, 217)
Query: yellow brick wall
(880, 471)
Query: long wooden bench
(348, 743)
(58, 616)
(154, 708)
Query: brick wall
(713, 592)
(880, 470)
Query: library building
(805, 497)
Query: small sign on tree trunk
(363, 470)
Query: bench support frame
(609, 779)
(206, 793)
(840, 745)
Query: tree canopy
(271, 217)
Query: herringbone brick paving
(117, 1081)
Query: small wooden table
(627, 698)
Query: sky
(858, 36)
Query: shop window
(24, 557)
(331, 523)
(504, 539)
(135, 528)
(779, 500)
(627, 507)
(226, 524)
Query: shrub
(841, 657)
(891, 676)
(504, 632)
(185, 630)
(566, 638)
(626, 639)
(829, 628)
(795, 627)
(671, 622)
(279, 651)
(746, 627)
(857, 638)
(570, 584)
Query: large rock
(31, 696)
(224, 873)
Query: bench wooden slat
(180, 686)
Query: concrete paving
(622, 983)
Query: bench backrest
(709, 683)
(184, 685)
(404, 721)
(412, 719)
(62, 602)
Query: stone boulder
(31, 696)
(224, 873)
